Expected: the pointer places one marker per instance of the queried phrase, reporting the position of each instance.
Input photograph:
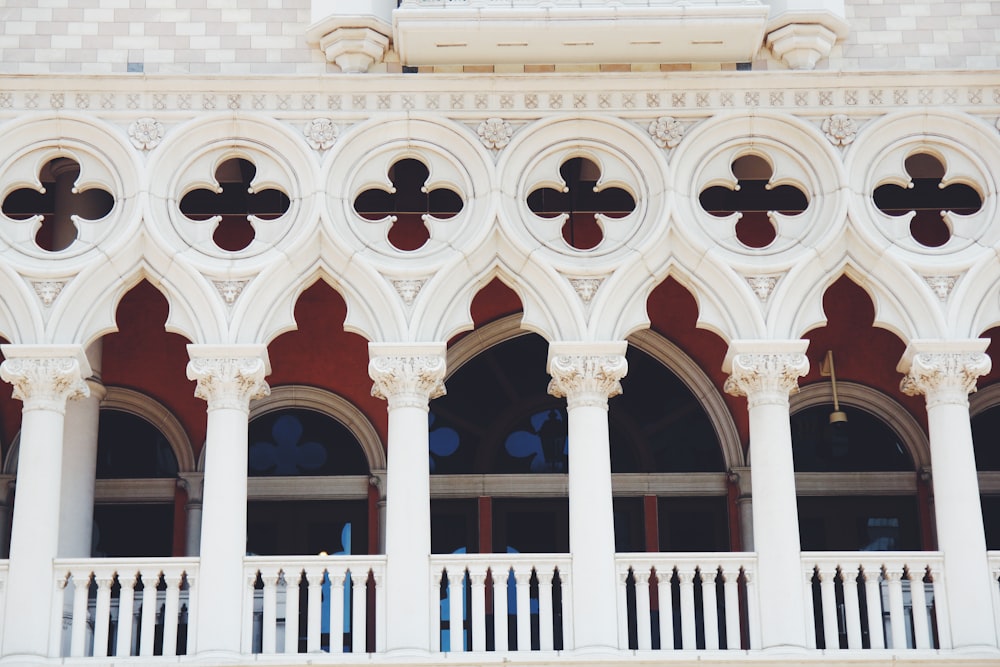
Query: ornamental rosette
(321, 133)
(495, 133)
(667, 132)
(840, 129)
(145, 133)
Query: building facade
(499, 332)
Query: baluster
(56, 648)
(873, 601)
(292, 580)
(643, 618)
(809, 604)
(102, 613)
(753, 610)
(78, 636)
(456, 615)
(941, 611)
(359, 612)
(623, 607)
(379, 578)
(921, 631)
(567, 609)
(664, 590)
(546, 636)
(147, 627)
(338, 589)
(500, 618)
(171, 611)
(523, 587)
(710, 609)
(247, 643)
(313, 626)
(477, 579)
(269, 626)
(688, 637)
(126, 604)
(897, 627)
(828, 598)
(852, 607)
(731, 595)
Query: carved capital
(193, 484)
(945, 373)
(229, 377)
(407, 375)
(766, 372)
(587, 374)
(46, 376)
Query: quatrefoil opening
(408, 204)
(582, 202)
(234, 204)
(59, 205)
(926, 200)
(755, 200)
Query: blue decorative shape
(286, 455)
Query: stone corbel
(353, 43)
(803, 38)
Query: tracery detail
(587, 380)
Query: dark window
(303, 442)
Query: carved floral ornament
(45, 382)
(229, 382)
(766, 378)
(840, 129)
(145, 133)
(945, 377)
(407, 381)
(667, 132)
(587, 380)
(321, 133)
(495, 133)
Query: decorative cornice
(46, 376)
(945, 373)
(766, 372)
(229, 377)
(586, 374)
(407, 376)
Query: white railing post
(456, 613)
(126, 607)
(873, 600)
(500, 608)
(852, 606)
(171, 610)
(828, 597)
(643, 618)
(665, 596)
(685, 576)
(102, 613)
(897, 627)
(568, 627)
(81, 587)
(359, 611)
(292, 579)
(546, 640)
(477, 580)
(808, 603)
(147, 628)
(339, 591)
(379, 578)
(269, 623)
(731, 596)
(522, 575)
(918, 607)
(623, 573)
(313, 627)
(710, 608)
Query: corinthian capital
(944, 372)
(229, 376)
(45, 376)
(587, 374)
(766, 372)
(407, 375)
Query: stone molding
(587, 374)
(46, 376)
(766, 372)
(229, 376)
(945, 372)
(407, 376)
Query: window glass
(298, 442)
(862, 443)
(129, 447)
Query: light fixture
(827, 370)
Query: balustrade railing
(994, 561)
(501, 602)
(876, 600)
(117, 607)
(305, 604)
(687, 601)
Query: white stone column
(193, 484)
(587, 374)
(744, 504)
(766, 372)
(44, 377)
(79, 465)
(407, 376)
(228, 376)
(945, 372)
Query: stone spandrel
(46, 377)
(766, 378)
(407, 380)
(229, 381)
(586, 379)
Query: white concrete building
(482, 332)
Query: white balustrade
(486, 602)
(309, 604)
(122, 607)
(877, 600)
(689, 601)
(994, 561)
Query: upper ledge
(486, 32)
